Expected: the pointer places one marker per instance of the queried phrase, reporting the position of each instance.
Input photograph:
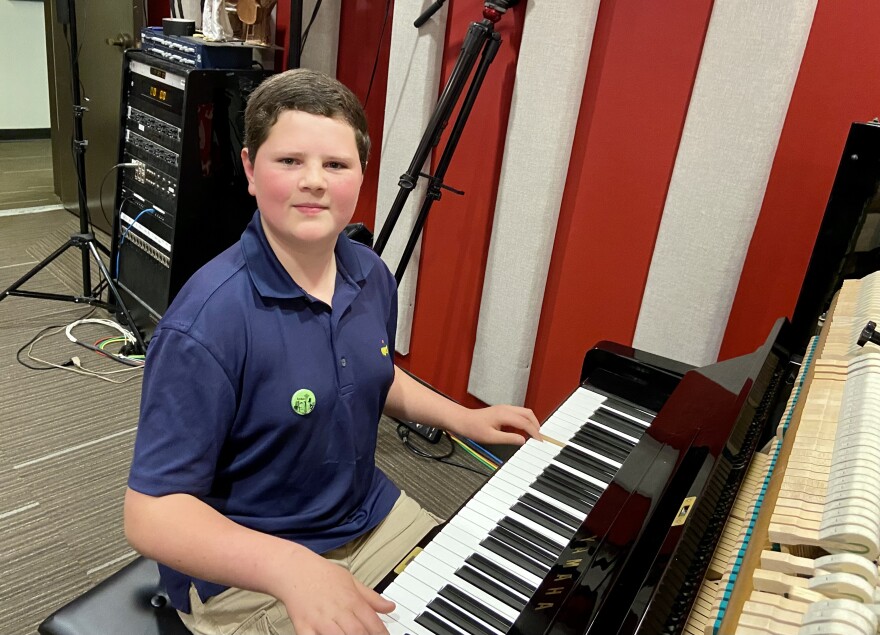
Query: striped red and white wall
(652, 173)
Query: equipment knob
(122, 40)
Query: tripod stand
(481, 41)
(84, 240)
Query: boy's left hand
(501, 425)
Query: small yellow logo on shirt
(384, 349)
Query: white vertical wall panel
(747, 72)
(413, 88)
(321, 48)
(550, 72)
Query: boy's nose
(313, 178)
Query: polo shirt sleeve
(187, 408)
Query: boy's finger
(378, 603)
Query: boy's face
(306, 178)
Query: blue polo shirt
(264, 402)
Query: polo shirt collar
(270, 278)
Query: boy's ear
(248, 170)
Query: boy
(263, 389)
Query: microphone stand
(85, 240)
(481, 43)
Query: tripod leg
(433, 194)
(476, 37)
(142, 347)
(10, 290)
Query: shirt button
(343, 362)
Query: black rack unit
(185, 129)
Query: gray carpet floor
(26, 174)
(66, 440)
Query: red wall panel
(837, 85)
(642, 67)
(363, 43)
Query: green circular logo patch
(303, 401)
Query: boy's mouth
(310, 208)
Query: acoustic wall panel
(750, 60)
(413, 78)
(546, 100)
(321, 47)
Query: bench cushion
(130, 601)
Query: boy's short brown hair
(307, 91)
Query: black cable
(101, 192)
(37, 336)
(305, 34)
(378, 50)
(403, 433)
(101, 196)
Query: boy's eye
(289, 161)
(336, 165)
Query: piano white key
(421, 590)
(596, 455)
(436, 574)
(621, 413)
(587, 477)
(462, 545)
(552, 502)
(397, 624)
(404, 615)
(469, 542)
(494, 513)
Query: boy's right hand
(325, 599)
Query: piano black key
(498, 573)
(545, 486)
(629, 409)
(544, 520)
(435, 624)
(436, 574)
(592, 429)
(530, 534)
(473, 607)
(518, 542)
(560, 516)
(491, 587)
(586, 464)
(508, 553)
(584, 487)
(617, 422)
(453, 614)
(592, 440)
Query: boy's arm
(186, 534)
(410, 400)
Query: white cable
(125, 332)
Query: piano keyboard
(480, 570)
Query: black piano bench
(132, 600)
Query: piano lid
(628, 567)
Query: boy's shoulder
(368, 260)
(217, 288)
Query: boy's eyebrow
(327, 157)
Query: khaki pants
(369, 558)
